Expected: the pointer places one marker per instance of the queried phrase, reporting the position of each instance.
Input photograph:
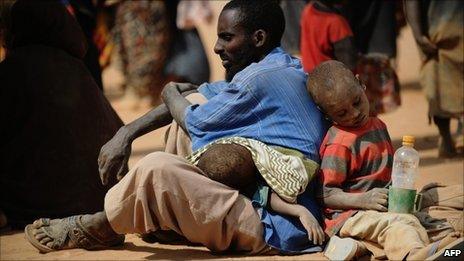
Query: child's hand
(375, 199)
(315, 232)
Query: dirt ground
(409, 119)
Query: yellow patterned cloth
(285, 170)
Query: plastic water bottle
(405, 165)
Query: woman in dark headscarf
(56, 117)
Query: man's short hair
(261, 14)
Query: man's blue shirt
(266, 101)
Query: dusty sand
(410, 119)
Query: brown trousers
(163, 191)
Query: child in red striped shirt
(356, 160)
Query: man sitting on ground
(264, 98)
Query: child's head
(339, 94)
(229, 164)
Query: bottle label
(405, 165)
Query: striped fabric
(355, 160)
(287, 175)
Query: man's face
(234, 45)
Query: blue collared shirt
(266, 101)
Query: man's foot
(88, 232)
(435, 249)
(344, 249)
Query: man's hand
(114, 156)
(374, 199)
(180, 87)
(315, 232)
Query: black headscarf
(45, 22)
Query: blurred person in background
(326, 35)
(375, 25)
(437, 27)
(56, 117)
(85, 12)
(153, 49)
(5, 6)
(292, 13)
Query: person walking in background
(375, 25)
(154, 51)
(292, 13)
(142, 35)
(437, 29)
(326, 35)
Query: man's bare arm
(176, 102)
(114, 155)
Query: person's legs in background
(446, 147)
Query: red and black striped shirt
(355, 160)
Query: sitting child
(233, 165)
(355, 171)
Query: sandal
(68, 233)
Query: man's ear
(260, 38)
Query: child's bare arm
(315, 233)
(374, 199)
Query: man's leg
(164, 192)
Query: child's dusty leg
(398, 234)
(431, 249)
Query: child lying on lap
(233, 165)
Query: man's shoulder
(281, 66)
